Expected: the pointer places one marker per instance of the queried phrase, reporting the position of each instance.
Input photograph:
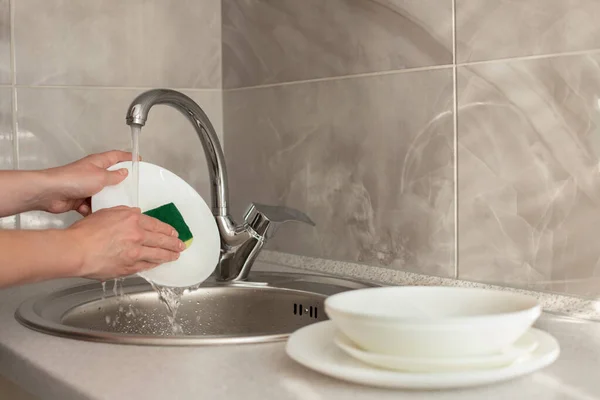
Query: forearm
(22, 191)
(31, 256)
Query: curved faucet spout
(240, 244)
(137, 114)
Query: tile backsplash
(529, 177)
(456, 138)
(289, 40)
(374, 171)
(78, 66)
(495, 29)
(459, 138)
(118, 43)
(6, 143)
(60, 125)
(5, 59)
(6, 129)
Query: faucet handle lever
(265, 220)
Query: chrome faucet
(240, 244)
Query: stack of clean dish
(425, 337)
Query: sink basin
(268, 307)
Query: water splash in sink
(214, 313)
(171, 298)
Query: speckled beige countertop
(554, 303)
(58, 368)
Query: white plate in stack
(425, 338)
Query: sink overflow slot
(312, 311)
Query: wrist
(47, 189)
(72, 252)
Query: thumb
(117, 176)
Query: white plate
(159, 186)
(521, 348)
(313, 347)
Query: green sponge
(169, 214)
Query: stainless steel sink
(242, 307)
(267, 307)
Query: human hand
(121, 241)
(72, 185)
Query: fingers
(116, 156)
(112, 157)
(85, 208)
(153, 225)
(120, 208)
(157, 256)
(115, 177)
(162, 241)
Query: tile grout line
(342, 77)
(220, 14)
(532, 57)
(79, 87)
(13, 67)
(223, 129)
(332, 78)
(455, 136)
(419, 69)
(13, 79)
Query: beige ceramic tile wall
(80, 63)
(5, 68)
(58, 126)
(496, 29)
(529, 143)
(290, 40)
(529, 151)
(144, 43)
(344, 109)
(374, 170)
(354, 125)
(370, 157)
(6, 142)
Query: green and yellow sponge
(169, 214)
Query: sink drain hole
(312, 311)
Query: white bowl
(158, 186)
(519, 350)
(431, 321)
